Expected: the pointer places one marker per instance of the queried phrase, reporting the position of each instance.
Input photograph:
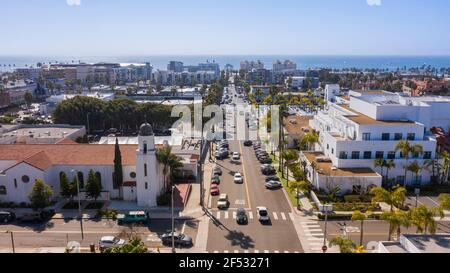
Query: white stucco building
(370, 126)
(22, 164)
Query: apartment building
(353, 135)
(281, 66)
(250, 65)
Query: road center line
(246, 180)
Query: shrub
(70, 205)
(108, 213)
(352, 198)
(163, 199)
(96, 205)
(356, 206)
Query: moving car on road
(110, 242)
(139, 217)
(236, 156)
(241, 217)
(263, 214)
(238, 178)
(273, 185)
(248, 143)
(7, 217)
(179, 239)
(223, 202)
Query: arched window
(98, 175)
(145, 147)
(80, 177)
(145, 169)
(3, 190)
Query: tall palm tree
(379, 163)
(359, 216)
(344, 243)
(407, 149)
(389, 164)
(446, 166)
(422, 218)
(394, 197)
(432, 165)
(414, 168)
(290, 157)
(169, 161)
(396, 219)
(310, 139)
(444, 201)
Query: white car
(110, 241)
(263, 214)
(274, 185)
(238, 178)
(236, 156)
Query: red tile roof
(42, 156)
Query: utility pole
(326, 209)
(12, 241)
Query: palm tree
(379, 163)
(422, 218)
(359, 216)
(291, 158)
(431, 165)
(345, 244)
(169, 161)
(446, 166)
(444, 201)
(394, 197)
(389, 164)
(309, 140)
(405, 147)
(396, 219)
(296, 186)
(414, 168)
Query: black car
(241, 217)
(268, 170)
(7, 217)
(223, 145)
(37, 216)
(248, 143)
(179, 239)
(272, 178)
(265, 160)
(217, 171)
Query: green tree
(345, 244)
(415, 169)
(118, 171)
(394, 197)
(309, 140)
(134, 245)
(93, 186)
(444, 201)
(296, 187)
(40, 195)
(169, 161)
(359, 216)
(379, 163)
(388, 164)
(422, 218)
(396, 219)
(64, 186)
(432, 165)
(446, 166)
(407, 150)
(291, 158)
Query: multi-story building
(175, 66)
(353, 135)
(259, 76)
(210, 66)
(287, 65)
(250, 65)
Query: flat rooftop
(328, 170)
(362, 119)
(438, 243)
(296, 124)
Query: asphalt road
(56, 233)
(225, 235)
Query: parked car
(37, 216)
(265, 160)
(248, 143)
(215, 190)
(110, 242)
(268, 170)
(7, 217)
(217, 171)
(241, 217)
(180, 239)
(140, 217)
(223, 202)
(274, 185)
(238, 178)
(272, 178)
(215, 180)
(263, 214)
(221, 155)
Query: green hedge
(356, 206)
(345, 217)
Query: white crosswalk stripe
(266, 251)
(218, 215)
(226, 214)
(216, 251)
(225, 251)
(283, 216)
(276, 251)
(286, 251)
(236, 251)
(250, 215)
(256, 251)
(246, 251)
(275, 216)
(291, 216)
(234, 215)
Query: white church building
(21, 165)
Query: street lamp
(12, 241)
(417, 191)
(80, 215)
(326, 209)
(173, 224)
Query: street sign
(417, 191)
(324, 248)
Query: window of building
(328, 146)
(415, 155)
(15, 183)
(368, 155)
(145, 147)
(343, 155)
(411, 136)
(400, 180)
(25, 179)
(366, 136)
(427, 155)
(3, 190)
(80, 177)
(98, 175)
(391, 155)
(355, 155)
(145, 169)
(379, 155)
(133, 175)
(402, 155)
(332, 151)
(385, 136)
(398, 136)
(146, 185)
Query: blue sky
(226, 27)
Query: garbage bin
(92, 246)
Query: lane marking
(226, 214)
(431, 199)
(234, 215)
(250, 214)
(256, 251)
(276, 251)
(315, 239)
(266, 251)
(218, 215)
(245, 177)
(245, 251)
(184, 226)
(216, 251)
(236, 251)
(283, 216)
(225, 251)
(275, 216)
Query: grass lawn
(71, 205)
(95, 205)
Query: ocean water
(9, 63)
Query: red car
(215, 190)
